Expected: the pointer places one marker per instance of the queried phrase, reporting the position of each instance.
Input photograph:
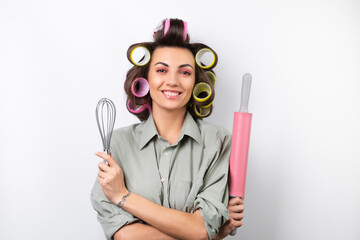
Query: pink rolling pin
(240, 144)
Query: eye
(160, 70)
(186, 72)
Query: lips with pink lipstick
(171, 94)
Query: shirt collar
(189, 128)
(148, 131)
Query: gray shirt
(188, 175)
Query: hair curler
(240, 144)
(167, 27)
(140, 87)
(138, 109)
(203, 52)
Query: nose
(172, 80)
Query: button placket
(164, 164)
(164, 173)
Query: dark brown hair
(173, 38)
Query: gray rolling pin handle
(245, 92)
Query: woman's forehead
(173, 55)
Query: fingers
(236, 216)
(104, 171)
(106, 157)
(102, 174)
(100, 180)
(235, 223)
(236, 219)
(103, 167)
(231, 224)
(235, 201)
(236, 208)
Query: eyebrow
(183, 65)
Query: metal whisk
(105, 118)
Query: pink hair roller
(140, 87)
(139, 109)
(185, 30)
(167, 27)
(240, 144)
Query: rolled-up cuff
(110, 216)
(214, 213)
(114, 222)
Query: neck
(169, 123)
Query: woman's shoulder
(216, 140)
(126, 132)
(212, 131)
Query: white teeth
(171, 93)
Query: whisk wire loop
(105, 117)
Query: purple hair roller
(140, 87)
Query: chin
(172, 108)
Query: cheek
(189, 89)
(152, 89)
(190, 85)
(153, 82)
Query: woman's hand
(236, 209)
(111, 178)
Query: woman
(167, 177)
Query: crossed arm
(142, 231)
(165, 223)
(165, 229)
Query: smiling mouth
(171, 94)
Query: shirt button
(166, 153)
(162, 179)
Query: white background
(58, 58)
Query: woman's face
(171, 77)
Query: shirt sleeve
(110, 216)
(213, 197)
